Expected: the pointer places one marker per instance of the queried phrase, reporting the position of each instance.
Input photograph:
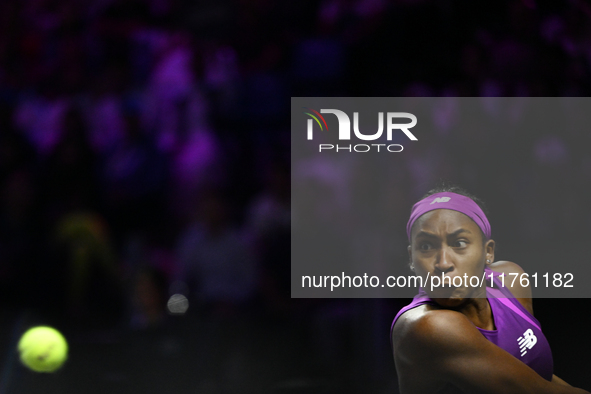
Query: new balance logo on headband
(440, 199)
(453, 201)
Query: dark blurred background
(145, 167)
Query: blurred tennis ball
(43, 349)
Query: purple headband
(453, 201)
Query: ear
(489, 248)
(409, 249)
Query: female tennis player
(458, 338)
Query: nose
(443, 263)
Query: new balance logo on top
(527, 341)
(440, 199)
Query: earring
(412, 266)
(487, 261)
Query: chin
(452, 302)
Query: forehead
(444, 221)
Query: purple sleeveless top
(518, 332)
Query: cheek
(420, 270)
(474, 262)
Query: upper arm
(514, 283)
(448, 349)
(556, 379)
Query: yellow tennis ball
(43, 349)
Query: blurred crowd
(145, 144)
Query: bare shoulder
(428, 328)
(522, 293)
(507, 267)
(427, 337)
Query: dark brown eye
(425, 246)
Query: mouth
(447, 291)
(448, 281)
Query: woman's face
(449, 243)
